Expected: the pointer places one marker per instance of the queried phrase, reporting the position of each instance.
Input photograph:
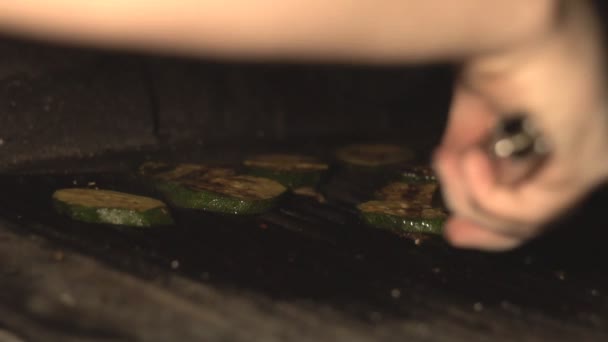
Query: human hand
(560, 81)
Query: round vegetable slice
(399, 216)
(374, 155)
(418, 174)
(311, 193)
(237, 195)
(291, 170)
(417, 194)
(111, 207)
(165, 172)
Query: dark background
(63, 102)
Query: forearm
(384, 30)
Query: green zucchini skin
(404, 217)
(399, 224)
(179, 195)
(213, 189)
(290, 179)
(116, 216)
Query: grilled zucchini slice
(111, 207)
(402, 217)
(236, 195)
(219, 190)
(292, 170)
(374, 155)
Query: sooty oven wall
(60, 102)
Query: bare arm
(379, 31)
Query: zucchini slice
(291, 170)
(311, 193)
(165, 172)
(214, 189)
(417, 194)
(111, 207)
(402, 217)
(374, 155)
(418, 174)
(217, 190)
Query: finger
(468, 123)
(462, 233)
(531, 203)
(469, 120)
(445, 166)
(458, 199)
(453, 187)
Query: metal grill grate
(321, 255)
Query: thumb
(469, 121)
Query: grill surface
(323, 261)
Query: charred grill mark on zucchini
(374, 155)
(243, 187)
(166, 172)
(286, 162)
(192, 171)
(407, 205)
(291, 170)
(225, 196)
(399, 216)
(419, 194)
(219, 190)
(111, 207)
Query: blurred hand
(560, 81)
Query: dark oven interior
(305, 271)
